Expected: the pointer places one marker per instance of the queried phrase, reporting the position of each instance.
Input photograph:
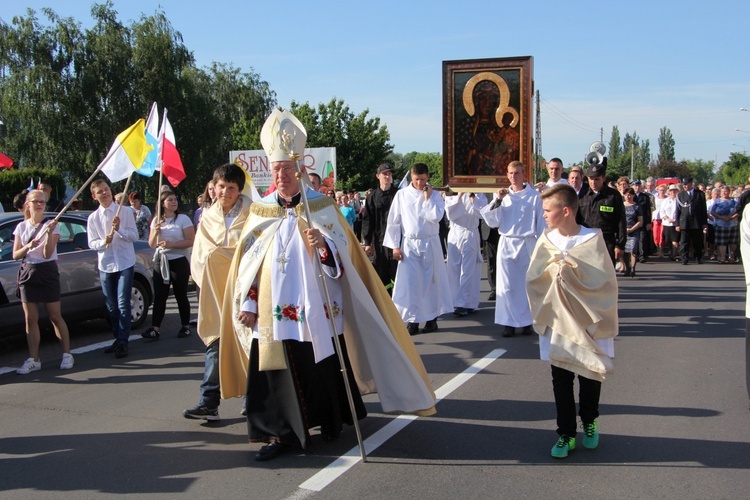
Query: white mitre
(283, 136)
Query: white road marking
(349, 459)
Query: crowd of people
(277, 278)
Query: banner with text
(321, 161)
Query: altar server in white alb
(421, 291)
(464, 250)
(517, 214)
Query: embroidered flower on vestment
(289, 312)
(336, 310)
(252, 294)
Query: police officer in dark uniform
(602, 207)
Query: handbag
(24, 270)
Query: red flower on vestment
(290, 312)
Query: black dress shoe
(508, 331)
(329, 434)
(412, 328)
(121, 350)
(430, 326)
(271, 450)
(111, 349)
(491, 296)
(460, 311)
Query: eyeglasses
(286, 169)
(38, 202)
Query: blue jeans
(210, 389)
(118, 288)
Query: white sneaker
(67, 362)
(29, 366)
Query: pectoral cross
(282, 260)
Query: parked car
(80, 287)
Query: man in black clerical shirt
(374, 222)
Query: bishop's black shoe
(492, 295)
(329, 433)
(412, 328)
(507, 331)
(271, 451)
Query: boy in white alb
(464, 250)
(421, 291)
(572, 292)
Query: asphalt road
(674, 420)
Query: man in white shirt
(517, 214)
(112, 237)
(555, 171)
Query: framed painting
(487, 121)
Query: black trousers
(588, 400)
(179, 273)
(694, 236)
(385, 266)
(490, 251)
(609, 241)
(645, 245)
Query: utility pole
(538, 140)
(632, 160)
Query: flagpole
(332, 320)
(110, 154)
(119, 205)
(158, 198)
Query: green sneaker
(563, 446)
(590, 435)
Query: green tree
(361, 142)
(632, 155)
(736, 170)
(227, 110)
(434, 162)
(614, 151)
(37, 85)
(66, 93)
(702, 171)
(671, 169)
(666, 145)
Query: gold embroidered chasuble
(382, 354)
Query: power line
(570, 120)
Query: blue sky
(640, 65)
